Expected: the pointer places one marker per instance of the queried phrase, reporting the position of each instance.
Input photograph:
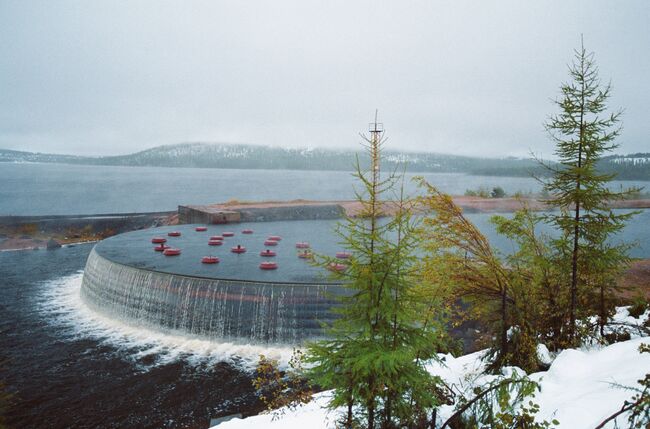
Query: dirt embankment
(635, 281)
(469, 204)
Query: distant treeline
(201, 155)
(628, 167)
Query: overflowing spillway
(126, 279)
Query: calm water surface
(37, 189)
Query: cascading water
(260, 312)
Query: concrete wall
(306, 212)
(199, 214)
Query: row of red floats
(337, 266)
(272, 240)
(162, 247)
(165, 249)
(217, 240)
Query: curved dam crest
(161, 292)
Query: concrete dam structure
(127, 278)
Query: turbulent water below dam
(65, 366)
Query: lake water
(57, 189)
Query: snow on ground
(622, 321)
(579, 389)
(313, 415)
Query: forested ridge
(207, 155)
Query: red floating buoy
(161, 248)
(305, 255)
(247, 231)
(172, 252)
(343, 255)
(238, 249)
(270, 243)
(210, 260)
(174, 233)
(215, 242)
(228, 234)
(337, 267)
(302, 245)
(201, 228)
(274, 238)
(270, 265)
(216, 237)
(267, 252)
(158, 240)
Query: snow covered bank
(577, 390)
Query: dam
(234, 300)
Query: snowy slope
(578, 386)
(577, 390)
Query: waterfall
(259, 312)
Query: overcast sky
(98, 78)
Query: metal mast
(376, 130)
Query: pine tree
(583, 132)
(456, 250)
(514, 296)
(538, 312)
(374, 357)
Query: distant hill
(203, 155)
(7, 155)
(628, 167)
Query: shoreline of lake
(33, 232)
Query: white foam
(62, 305)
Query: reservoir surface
(53, 189)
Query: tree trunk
(574, 274)
(434, 417)
(504, 325)
(576, 226)
(349, 418)
(574, 256)
(371, 414)
(388, 412)
(603, 316)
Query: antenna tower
(376, 131)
